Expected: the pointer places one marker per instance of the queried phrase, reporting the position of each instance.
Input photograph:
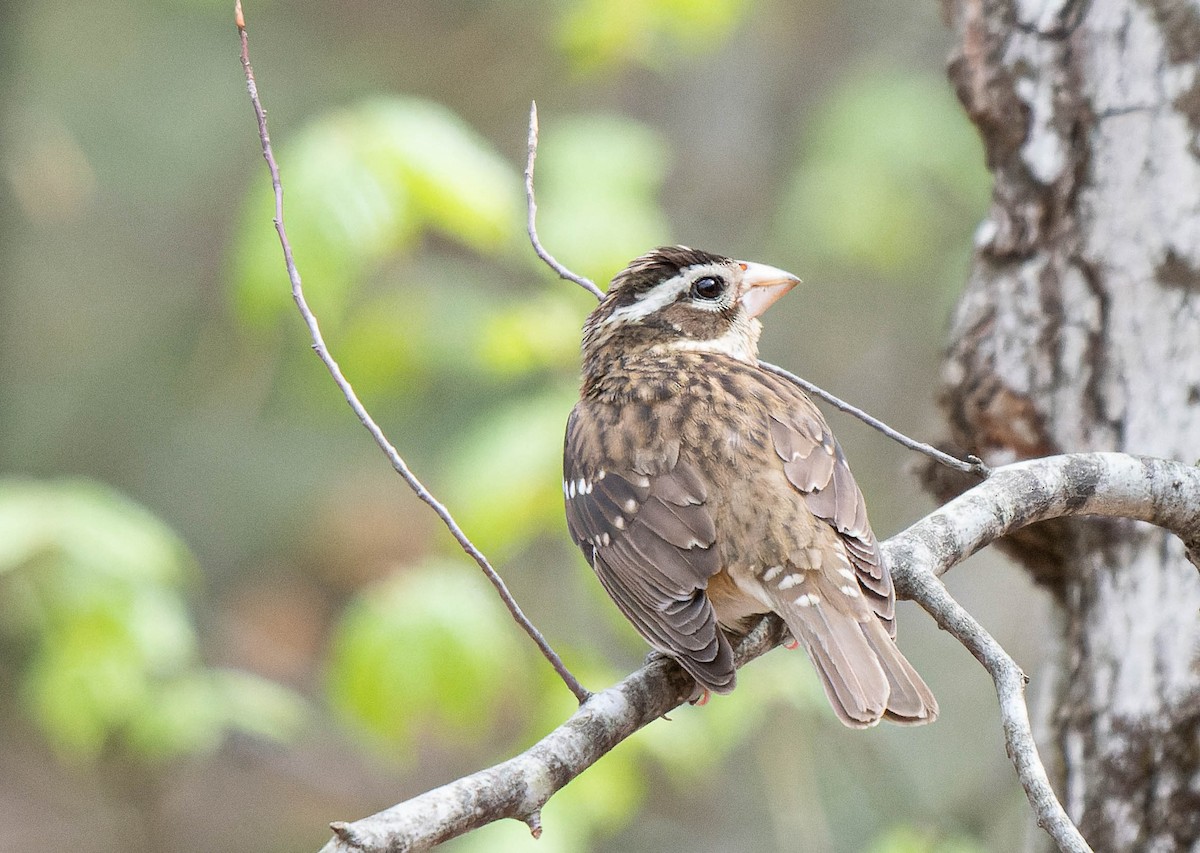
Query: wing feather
(650, 537)
(816, 467)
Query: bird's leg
(789, 642)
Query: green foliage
(598, 34)
(91, 586)
(905, 839)
(892, 177)
(598, 182)
(539, 332)
(362, 184)
(505, 478)
(430, 649)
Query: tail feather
(864, 674)
(854, 682)
(911, 702)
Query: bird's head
(679, 299)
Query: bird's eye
(709, 287)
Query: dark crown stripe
(661, 264)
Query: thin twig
(322, 351)
(972, 464)
(531, 210)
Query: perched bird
(705, 491)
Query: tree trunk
(1080, 330)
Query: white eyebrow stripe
(660, 296)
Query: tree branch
(1160, 491)
(322, 351)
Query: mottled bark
(1080, 330)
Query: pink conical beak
(762, 286)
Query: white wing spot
(619, 522)
(808, 600)
(571, 489)
(585, 488)
(605, 540)
(601, 474)
(791, 580)
(773, 572)
(846, 573)
(631, 505)
(851, 591)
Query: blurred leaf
(537, 333)
(92, 589)
(653, 33)
(430, 648)
(458, 184)
(184, 718)
(362, 184)
(905, 839)
(88, 525)
(505, 478)
(424, 331)
(191, 714)
(598, 180)
(892, 176)
(85, 681)
(257, 706)
(346, 207)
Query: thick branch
(1111, 484)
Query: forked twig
(322, 351)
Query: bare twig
(322, 351)
(1160, 491)
(971, 465)
(531, 210)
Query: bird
(705, 491)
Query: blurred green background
(225, 622)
